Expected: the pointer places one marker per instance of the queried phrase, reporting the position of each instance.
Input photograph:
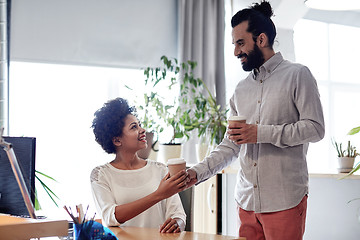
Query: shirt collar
(269, 66)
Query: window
(327, 50)
(55, 104)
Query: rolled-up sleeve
(103, 198)
(221, 157)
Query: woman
(130, 191)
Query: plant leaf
(50, 193)
(47, 176)
(354, 131)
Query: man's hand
(242, 133)
(191, 178)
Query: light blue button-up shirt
(282, 98)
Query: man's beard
(254, 59)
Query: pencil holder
(92, 230)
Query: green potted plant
(173, 110)
(197, 111)
(346, 157)
(191, 107)
(357, 166)
(207, 117)
(169, 102)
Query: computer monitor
(11, 199)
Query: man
(281, 102)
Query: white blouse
(112, 187)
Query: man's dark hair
(258, 17)
(109, 122)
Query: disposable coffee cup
(236, 119)
(175, 165)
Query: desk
(18, 228)
(137, 233)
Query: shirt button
(255, 186)
(257, 122)
(258, 101)
(261, 81)
(255, 164)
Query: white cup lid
(236, 118)
(173, 161)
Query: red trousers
(283, 225)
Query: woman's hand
(172, 226)
(168, 186)
(172, 185)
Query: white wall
(329, 214)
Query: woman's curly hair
(109, 122)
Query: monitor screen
(11, 200)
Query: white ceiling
(350, 18)
(288, 12)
